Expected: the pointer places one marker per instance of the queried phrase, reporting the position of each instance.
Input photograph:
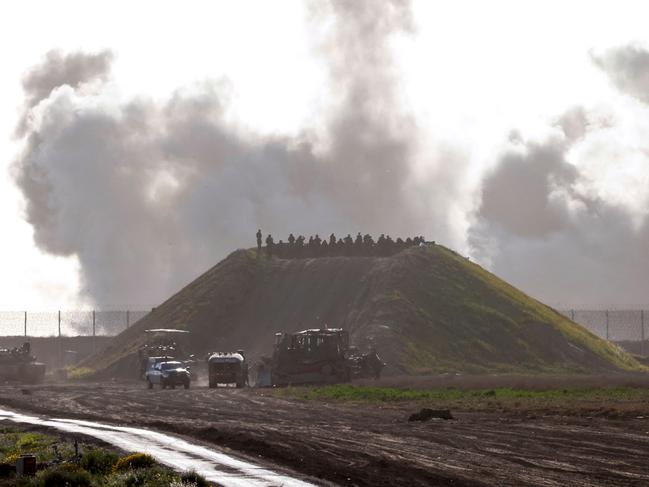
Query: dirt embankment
(426, 309)
(371, 444)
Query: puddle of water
(168, 450)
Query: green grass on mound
(456, 316)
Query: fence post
(128, 319)
(572, 314)
(25, 324)
(94, 347)
(642, 332)
(607, 324)
(60, 344)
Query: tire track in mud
(369, 444)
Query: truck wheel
(148, 384)
(186, 385)
(173, 386)
(163, 385)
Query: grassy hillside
(457, 316)
(426, 309)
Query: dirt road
(167, 449)
(368, 444)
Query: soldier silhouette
(358, 244)
(317, 241)
(279, 249)
(368, 242)
(259, 241)
(269, 245)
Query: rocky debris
(427, 414)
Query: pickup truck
(170, 374)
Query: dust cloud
(150, 194)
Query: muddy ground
(373, 443)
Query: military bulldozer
(313, 356)
(317, 356)
(19, 365)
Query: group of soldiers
(363, 245)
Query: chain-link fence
(629, 327)
(67, 323)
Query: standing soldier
(299, 246)
(269, 246)
(348, 246)
(358, 244)
(316, 243)
(259, 241)
(367, 243)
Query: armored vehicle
(227, 368)
(18, 364)
(311, 356)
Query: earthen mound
(426, 310)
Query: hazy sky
(518, 133)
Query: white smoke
(148, 195)
(566, 218)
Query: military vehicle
(163, 342)
(18, 364)
(227, 368)
(317, 356)
(168, 374)
(313, 356)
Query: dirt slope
(427, 309)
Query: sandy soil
(372, 444)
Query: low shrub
(133, 462)
(150, 477)
(97, 461)
(194, 478)
(65, 476)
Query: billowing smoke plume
(628, 69)
(547, 221)
(74, 70)
(149, 195)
